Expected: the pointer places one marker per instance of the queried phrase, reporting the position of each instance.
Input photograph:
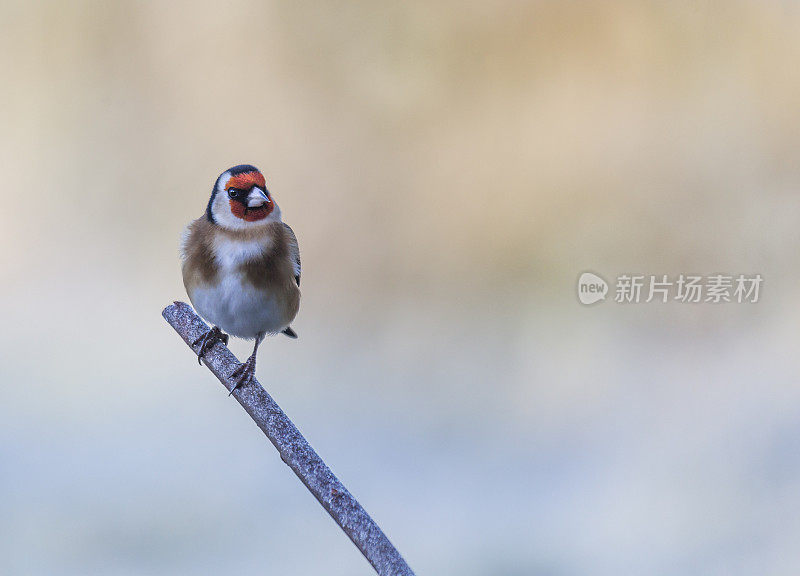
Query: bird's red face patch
(239, 208)
(251, 214)
(246, 180)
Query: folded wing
(294, 251)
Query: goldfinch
(241, 265)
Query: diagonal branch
(294, 449)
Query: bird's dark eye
(234, 193)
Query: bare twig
(294, 449)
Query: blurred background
(450, 169)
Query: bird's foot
(244, 374)
(208, 340)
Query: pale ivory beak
(256, 198)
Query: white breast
(235, 305)
(232, 253)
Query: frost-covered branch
(294, 449)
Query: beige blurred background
(449, 169)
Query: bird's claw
(208, 340)
(244, 374)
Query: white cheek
(274, 216)
(223, 214)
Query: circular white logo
(591, 288)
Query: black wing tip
(290, 333)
